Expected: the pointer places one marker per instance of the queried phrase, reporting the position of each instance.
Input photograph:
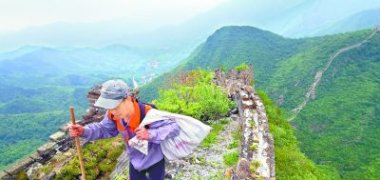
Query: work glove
(76, 130)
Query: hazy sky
(18, 14)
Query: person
(124, 114)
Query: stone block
(249, 89)
(244, 95)
(19, 166)
(56, 137)
(50, 176)
(35, 156)
(242, 169)
(5, 176)
(248, 104)
(46, 148)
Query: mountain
(38, 84)
(16, 53)
(328, 87)
(296, 18)
(361, 20)
(312, 18)
(230, 47)
(44, 61)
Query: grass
(291, 163)
(234, 144)
(242, 67)
(253, 166)
(236, 136)
(252, 123)
(253, 147)
(231, 158)
(212, 138)
(217, 176)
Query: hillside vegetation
(38, 84)
(186, 97)
(339, 125)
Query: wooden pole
(77, 144)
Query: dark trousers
(155, 172)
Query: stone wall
(257, 148)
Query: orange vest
(135, 119)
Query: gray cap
(112, 94)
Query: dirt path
(318, 76)
(205, 163)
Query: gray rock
(5, 176)
(46, 148)
(248, 104)
(35, 156)
(31, 172)
(244, 95)
(50, 176)
(19, 166)
(249, 89)
(242, 170)
(56, 137)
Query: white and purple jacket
(158, 131)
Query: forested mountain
(38, 84)
(328, 87)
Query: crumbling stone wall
(257, 148)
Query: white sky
(19, 14)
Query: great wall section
(256, 145)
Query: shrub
(195, 96)
(242, 67)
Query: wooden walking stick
(77, 144)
